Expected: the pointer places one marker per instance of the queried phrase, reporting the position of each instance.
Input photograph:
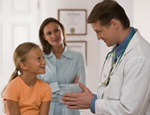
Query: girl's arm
(44, 109)
(13, 107)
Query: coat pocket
(113, 90)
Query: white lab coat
(128, 92)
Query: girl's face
(35, 63)
(53, 34)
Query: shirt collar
(67, 53)
(119, 49)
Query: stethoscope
(119, 58)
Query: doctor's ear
(115, 23)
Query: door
(18, 23)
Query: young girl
(26, 94)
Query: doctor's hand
(81, 100)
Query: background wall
(141, 17)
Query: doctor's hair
(20, 55)
(107, 10)
(45, 45)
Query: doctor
(124, 87)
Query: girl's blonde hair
(20, 55)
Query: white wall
(141, 17)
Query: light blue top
(60, 74)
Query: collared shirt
(118, 50)
(60, 74)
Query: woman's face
(53, 34)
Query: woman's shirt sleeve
(81, 72)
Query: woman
(64, 68)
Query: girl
(64, 68)
(26, 94)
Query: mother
(64, 68)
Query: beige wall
(141, 17)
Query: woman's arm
(81, 76)
(44, 109)
(13, 107)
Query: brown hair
(107, 10)
(20, 55)
(45, 45)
